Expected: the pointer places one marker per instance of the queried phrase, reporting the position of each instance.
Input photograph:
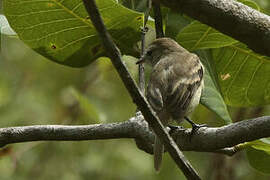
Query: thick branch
(66, 133)
(229, 17)
(204, 140)
(210, 139)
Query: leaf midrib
(203, 36)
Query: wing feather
(174, 82)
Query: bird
(175, 85)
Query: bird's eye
(149, 53)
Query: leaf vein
(235, 76)
(250, 82)
(47, 23)
(73, 42)
(54, 33)
(77, 6)
(229, 62)
(203, 36)
(34, 13)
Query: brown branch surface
(229, 17)
(210, 139)
(158, 20)
(136, 95)
(206, 139)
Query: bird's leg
(195, 126)
(173, 127)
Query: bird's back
(171, 91)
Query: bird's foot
(174, 128)
(195, 127)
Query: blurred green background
(35, 91)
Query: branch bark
(220, 140)
(229, 17)
(210, 139)
(158, 20)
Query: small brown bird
(175, 84)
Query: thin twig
(135, 93)
(143, 32)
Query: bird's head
(158, 49)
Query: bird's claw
(196, 127)
(174, 128)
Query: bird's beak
(140, 61)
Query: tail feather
(158, 153)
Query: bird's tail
(158, 153)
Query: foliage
(258, 154)
(63, 32)
(42, 92)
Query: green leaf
(262, 144)
(175, 22)
(85, 105)
(259, 159)
(62, 31)
(244, 76)
(200, 36)
(258, 154)
(250, 4)
(211, 97)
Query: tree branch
(66, 133)
(229, 17)
(135, 93)
(218, 140)
(158, 20)
(210, 139)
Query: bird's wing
(173, 83)
(154, 96)
(182, 85)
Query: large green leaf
(200, 36)
(175, 22)
(259, 159)
(258, 154)
(61, 30)
(244, 76)
(211, 97)
(239, 85)
(262, 144)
